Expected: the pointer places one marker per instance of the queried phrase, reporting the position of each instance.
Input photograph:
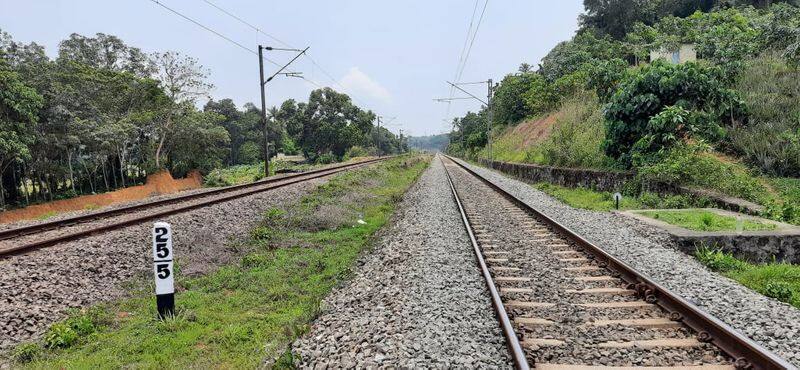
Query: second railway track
(564, 303)
(22, 239)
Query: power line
(307, 55)
(461, 55)
(474, 36)
(209, 29)
(465, 57)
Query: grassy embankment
(245, 315)
(702, 220)
(776, 280)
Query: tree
(184, 81)
(106, 52)
(200, 142)
(333, 124)
(19, 105)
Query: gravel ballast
(38, 287)
(416, 301)
(773, 324)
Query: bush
(60, 335)
(664, 104)
(26, 352)
(326, 158)
(718, 260)
(356, 151)
(778, 290)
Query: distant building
(685, 53)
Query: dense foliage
(664, 105)
(103, 115)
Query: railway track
(564, 303)
(27, 238)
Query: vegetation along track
(565, 303)
(26, 238)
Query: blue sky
(392, 56)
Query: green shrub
(356, 151)
(326, 158)
(779, 290)
(26, 352)
(216, 178)
(664, 104)
(718, 260)
(60, 335)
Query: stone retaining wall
(612, 181)
(753, 248)
(569, 177)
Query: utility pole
(263, 109)
(379, 137)
(401, 141)
(263, 94)
(489, 122)
(487, 103)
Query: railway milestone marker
(162, 268)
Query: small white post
(162, 269)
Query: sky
(392, 57)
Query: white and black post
(162, 268)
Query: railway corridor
(566, 309)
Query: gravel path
(37, 288)
(773, 324)
(417, 300)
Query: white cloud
(359, 83)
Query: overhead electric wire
(474, 36)
(307, 55)
(209, 29)
(461, 56)
(465, 57)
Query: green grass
(246, 173)
(242, 315)
(587, 198)
(776, 280)
(703, 220)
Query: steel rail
(518, 355)
(274, 184)
(746, 353)
(50, 225)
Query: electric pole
(489, 122)
(487, 103)
(263, 110)
(263, 94)
(378, 149)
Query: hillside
(723, 82)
